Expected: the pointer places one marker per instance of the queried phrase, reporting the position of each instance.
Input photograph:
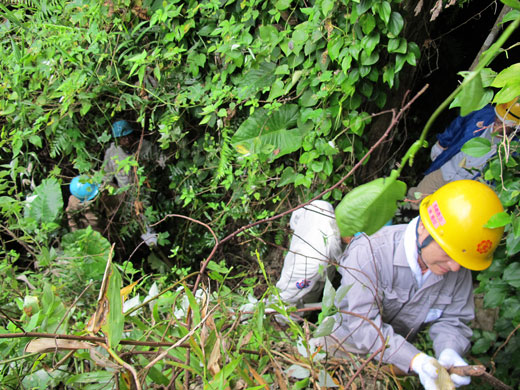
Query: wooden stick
(477, 370)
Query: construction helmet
(83, 188)
(121, 128)
(455, 216)
(509, 113)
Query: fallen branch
(477, 370)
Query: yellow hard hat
(455, 216)
(509, 111)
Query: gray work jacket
(115, 154)
(384, 290)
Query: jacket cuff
(402, 357)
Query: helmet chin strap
(421, 246)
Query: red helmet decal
(484, 246)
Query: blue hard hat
(121, 128)
(83, 189)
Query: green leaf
(411, 58)
(388, 76)
(334, 46)
(91, 377)
(262, 77)
(342, 292)
(477, 147)
(363, 6)
(329, 294)
(370, 42)
(35, 140)
(400, 59)
(368, 207)
(368, 23)
(472, 97)
(269, 34)
(308, 99)
(396, 23)
(494, 296)
(481, 346)
(287, 177)
(384, 11)
(367, 60)
(498, 220)
(327, 6)
(115, 322)
(223, 376)
(508, 76)
(283, 4)
(325, 328)
(262, 131)
(277, 89)
(507, 93)
(397, 45)
(48, 202)
(512, 3)
(300, 36)
(512, 275)
(512, 244)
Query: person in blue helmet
(127, 146)
(120, 164)
(493, 123)
(80, 211)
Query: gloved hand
(150, 237)
(449, 358)
(161, 160)
(423, 366)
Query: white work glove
(422, 365)
(449, 358)
(150, 237)
(162, 161)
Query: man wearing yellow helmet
(406, 277)
(449, 162)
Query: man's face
(499, 127)
(125, 141)
(434, 257)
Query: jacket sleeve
(451, 329)
(365, 331)
(453, 132)
(109, 166)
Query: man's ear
(421, 229)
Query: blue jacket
(461, 130)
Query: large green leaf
(274, 134)
(48, 202)
(115, 323)
(262, 77)
(325, 328)
(472, 97)
(477, 147)
(498, 220)
(512, 275)
(368, 207)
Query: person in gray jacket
(121, 162)
(406, 277)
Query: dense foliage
(257, 105)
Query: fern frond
(226, 153)
(46, 7)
